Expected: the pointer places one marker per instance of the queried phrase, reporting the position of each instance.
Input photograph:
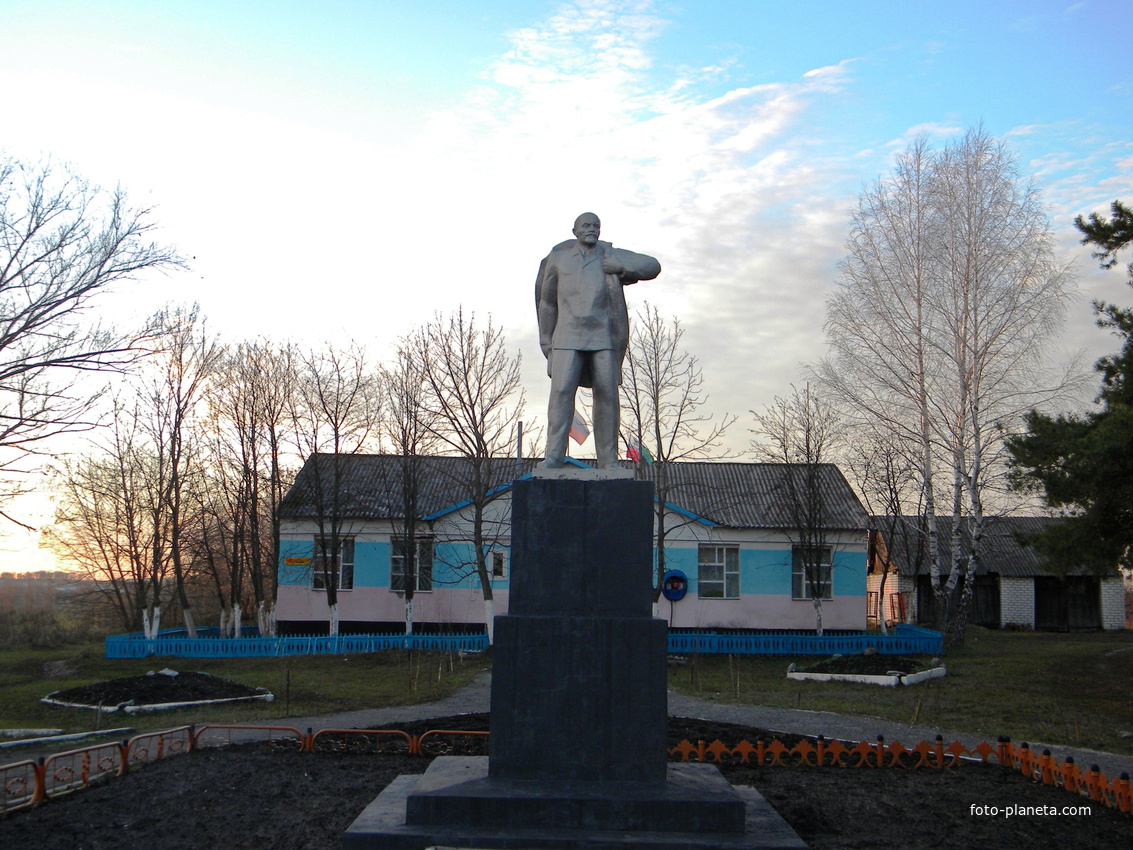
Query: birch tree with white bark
(949, 300)
(1002, 299)
(880, 323)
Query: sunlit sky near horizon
(340, 171)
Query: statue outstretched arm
(633, 266)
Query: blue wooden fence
(904, 640)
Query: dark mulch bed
(259, 796)
(254, 796)
(869, 665)
(156, 689)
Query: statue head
(587, 228)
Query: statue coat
(580, 307)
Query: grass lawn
(1074, 689)
(303, 685)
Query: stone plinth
(578, 698)
(578, 666)
(540, 809)
(457, 792)
(582, 549)
(579, 714)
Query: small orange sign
(297, 562)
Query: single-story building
(728, 530)
(1014, 585)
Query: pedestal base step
(457, 805)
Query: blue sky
(341, 170)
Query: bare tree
(409, 424)
(335, 412)
(215, 548)
(477, 401)
(949, 298)
(880, 324)
(105, 523)
(800, 432)
(249, 405)
(889, 482)
(186, 358)
(153, 453)
(662, 399)
(1002, 298)
(63, 242)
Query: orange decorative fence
(26, 783)
(29, 782)
(1042, 767)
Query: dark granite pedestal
(577, 754)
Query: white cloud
(933, 130)
(319, 230)
(718, 187)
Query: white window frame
(800, 586)
(345, 569)
(718, 568)
(425, 558)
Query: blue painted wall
(761, 571)
(768, 571)
(372, 568)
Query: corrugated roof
(736, 495)
(1003, 550)
(755, 495)
(370, 486)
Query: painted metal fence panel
(176, 644)
(904, 640)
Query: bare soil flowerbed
(155, 689)
(256, 796)
(868, 665)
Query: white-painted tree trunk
(224, 622)
(657, 608)
(190, 623)
(490, 619)
(237, 615)
(265, 619)
(151, 622)
(409, 616)
(334, 619)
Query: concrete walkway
(476, 697)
